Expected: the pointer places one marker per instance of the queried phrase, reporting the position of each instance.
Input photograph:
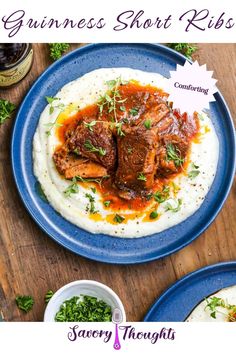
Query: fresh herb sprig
(214, 303)
(186, 49)
(90, 125)
(24, 302)
(95, 180)
(91, 148)
(174, 154)
(112, 98)
(6, 109)
(84, 308)
(51, 101)
(57, 49)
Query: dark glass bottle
(15, 62)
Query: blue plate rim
(64, 243)
(178, 283)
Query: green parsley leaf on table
(24, 302)
(6, 109)
(57, 49)
(186, 49)
(48, 296)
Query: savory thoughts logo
(124, 332)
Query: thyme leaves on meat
(24, 302)
(57, 49)
(73, 188)
(91, 148)
(130, 150)
(118, 218)
(214, 303)
(174, 207)
(119, 130)
(133, 111)
(90, 125)
(174, 154)
(6, 109)
(194, 171)
(111, 100)
(186, 49)
(91, 207)
(141, 177)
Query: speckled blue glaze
(177, 302)
(148, 57)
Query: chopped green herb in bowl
(84, 308)
(83, 301)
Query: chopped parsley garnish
(174, 154)
(73, 188)
(119, 218)
(119, 130)
(25, 302)
(90, 147)
(90, 125)
(91, 208)
(112, 98)
(48, 296)
(141, 177)
(153, 214)
(107, 203)
(84, 308)
(213, 303)
(133, 111)
(194, 172)
(93, 189)
(174, 208)
(6, 109)
(186, 49)
(130, 150)
(57, 49)
(162, 196)
(148, 124)
(122, 108)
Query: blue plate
(180, 299)
(148, 57)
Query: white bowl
(82, 287)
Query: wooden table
(31, 263)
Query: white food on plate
(201, 313)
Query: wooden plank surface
(31, 263)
